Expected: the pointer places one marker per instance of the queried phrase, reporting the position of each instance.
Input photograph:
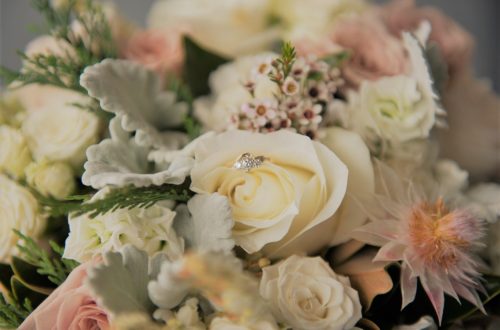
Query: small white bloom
(147, 229)
(51, 179)
(61, 133)
(14, 152)
(18, 210)
(306, 294)
(290, 86)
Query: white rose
(61, 133)
(306, 294)
(229, 27)
(51, 179)
(223, 323)
(147, 229)
(229, 92)
(14, 152)
(291, 198)
(18, 210)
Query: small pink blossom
(375, 53)
(160, 51)
(455, 43)
(69, 307)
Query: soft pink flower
(454, 42)
(375, 53)
(69, 307)
(434, 243)
(160, 51)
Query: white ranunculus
(18, 210)
(51, 179)
(229, 27)
(61, 133)
(229, 92)
(147, 229)
(14, 152)
(288, 204)
(392, 109)
(223, 323)
(306, 294)
(398, 109)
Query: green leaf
(198, 65)
(29, 276)
(22, 293)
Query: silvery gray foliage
(120, 161)
(167, 291)
(135, 94)
(120, 283)
(206, 223)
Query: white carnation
(18, 210)
(306, 294)
(14, 152)
(147, 229)
(51, 179)
(61, 133)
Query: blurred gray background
(480, 17)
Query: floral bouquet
(264, 164)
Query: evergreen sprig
(118, 198)
(86, 45)
(12, 312)
(55, 268)
(282, 66)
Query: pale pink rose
(375, 53)
(69, 307)
(160, 51)
(454, 42)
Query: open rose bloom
(249, 165)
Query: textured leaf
(120, 161)
(134, 93)
(206, 223)
(199, 63)
(121, 282)
(168, 291)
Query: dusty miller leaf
(121, 282)
(206, 223)
(134, 93)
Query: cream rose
(18, 210)
(14, 152)
(306, 294)
(285, 205)
(51, 179)
(229, 27)
(61, 133)
(223, 323)
(147, 229)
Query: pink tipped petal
(408, 286)
(435, 294)
(470, 295)
(448, 287)
(392, 251)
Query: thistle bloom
(432, 241)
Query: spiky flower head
(434, 242)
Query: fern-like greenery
(83, 46)
(55, 268)
(12, 312)
(118, 198)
